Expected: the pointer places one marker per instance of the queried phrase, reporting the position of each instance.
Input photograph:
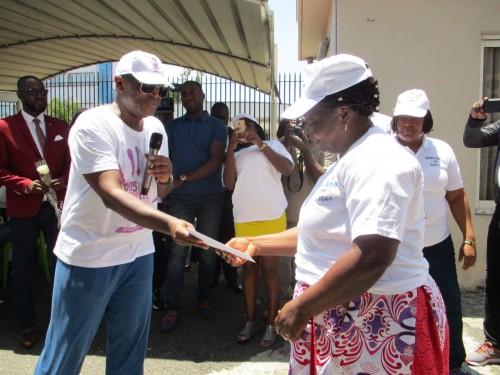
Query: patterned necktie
(39, 134)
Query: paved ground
(197, 346)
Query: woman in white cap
(253, 170)
(443, 187)
(364, 301)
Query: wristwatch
(472, 243)
(183, 178)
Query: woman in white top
(253, 170)
(362, 281)
(443, 187)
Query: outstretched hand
(239, 243)
(179, 231)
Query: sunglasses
(35, 92)
(147, 88)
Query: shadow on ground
(195, 347)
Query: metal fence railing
(71, 91)
(7, 109)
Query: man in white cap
(105, 252)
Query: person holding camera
(310, 163)
(443, 185)
(253, 170)
(477, 136)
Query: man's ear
(119, 83)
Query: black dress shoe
(28, 338)
(236, 287)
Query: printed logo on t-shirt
(132, 184)
(434, 161)
(327, 192)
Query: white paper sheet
(218, 245)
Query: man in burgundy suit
(26, 138)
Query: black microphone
(154, 148)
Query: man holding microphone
(104, 250)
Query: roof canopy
(230, 38)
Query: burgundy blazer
(18, 154)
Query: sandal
(248, 331)
(269, 338)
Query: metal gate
(71, 91)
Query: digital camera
(298, 128)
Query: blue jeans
(81, 298)
(441, 258)
(491, 323)
(205, 210)
(25, 232)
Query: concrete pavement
(196, 346)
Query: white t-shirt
(258, 193)
(296, 188)
(92, 235)
(375, 188)
(441, 174)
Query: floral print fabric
(377, 334)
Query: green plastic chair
(43, 259)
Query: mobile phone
(491, 105)
(239, 128)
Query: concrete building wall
(435, 46)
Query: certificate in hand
(216, 244)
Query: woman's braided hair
(363, 97)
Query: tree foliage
(62, 109)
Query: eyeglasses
(147, 88)
(35, 92)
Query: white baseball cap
(244, 115)
(326, 77)
(412, 103)
(145, 67)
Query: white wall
(435, 46)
